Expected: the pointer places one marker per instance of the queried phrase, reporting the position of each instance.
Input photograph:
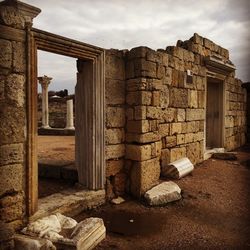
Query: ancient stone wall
(166, 109)
(13, 115)
(115, 123)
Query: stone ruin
(159, 106)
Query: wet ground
(214, 212)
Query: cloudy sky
(124, 24)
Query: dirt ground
(214, 212)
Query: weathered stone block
(161, 71)
(177, 153)
(189, 137)
(138, 52)
(192, 99)
(113, 167)
(168, 77)
(199, 136)
(168, 115)
(115, 117)
(5, 53)
(130, 114)
(156, 98)
(143, 138)
(201, 99)
(229, 122)
(197, 39)
(11, 199)
(178, 98)
(140, 112)
(175, 128)
(153, 125)
(141, 126)
(181, 115)
(170, 141)
(154, 56)
(194, 152)
(164, 97)
(144, 175)
(14, 89)
(19, 57)
(164, 129)
(165, 157)
(114, 136)
(156, 149)
(145, 68)
(12, 212)
(138, 152)
(115, 91)
(11, 178)
(136, 84)
(163, 193)
(180, 139)
(139, 98)
(115, 151)
(11, 153)
(195, 114)
(114, 65)
(120, 183)
(12, 125)
(153, 112)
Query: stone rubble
(117, 200)
(163, 193)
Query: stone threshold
(56, 131)
(209, 152)
(68, 202)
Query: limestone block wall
(116, 174)
(12, 116)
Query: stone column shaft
(70, 115)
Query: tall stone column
(45, 81)
(70, 115)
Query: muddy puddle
(132, 224)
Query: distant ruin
(136, 110)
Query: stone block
(137, 84)
(153, 125)
(141, 126)
(192, 99)
(19, 57)
(5, 53)
(11, 153)
(114, 65)
(140, 112)
(170, 141)
(156, 98)
(200, 82)
(138, 52)
(178, 98)
(114, 136)
(156, 149)
(143, 138)
(229, 122)
(195, 114)
(168, 115)
(115, 91)
(199, 136)
(201, 99)
(175, 128)
(181, 115)
(129, 70)
(11, 178)
(168, 77)
(189, 137)
(115, 151)
(11, 199)
(115, 117)
(163, 193)
(113, 167)
(154, 56)
(197, 39)
(109, 190)
(139, 98)
(164, 97)
(120, 183)
(145, 68)
(177, 153)
(154, 112)
(14, 90)
(130, 114)
(180, 139)
(164, 129)
(161, 71)
(194, 152)
(144, 175)
(165, 157)
(12, 212)
(138, 152)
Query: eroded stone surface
(163, 193)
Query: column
(45, 81)
(70, 115)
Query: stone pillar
(45, 81)
(70, 115)
(15, 23)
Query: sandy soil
(214, 212)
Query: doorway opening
(56, 132)
(214, 114)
